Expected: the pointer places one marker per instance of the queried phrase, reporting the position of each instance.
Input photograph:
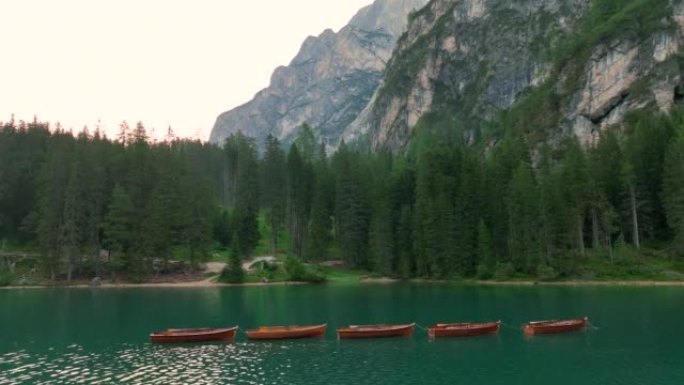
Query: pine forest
(449, 207)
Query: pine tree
(246, 211)
(96, 165)
(72, 230)
(402, 195)
(485, 252)
(233, 272)
(424, 241)
(299, 188)
(119, 229)
(647, 138)
(557, 220)
(54, 176)
(158, 223)
(322, 206)
(605, 161)
(498, 174)
(404, 243)
(524, 220)
(673, 191)
(435, 216)
(306, 144)
(381, 230)
(229, 176)
(124, 133)
(352, 210)
(23, 149)
(198, 233)
(273, 188)
(222, 227)
(575, 178)
(468, 210)
(629, 181)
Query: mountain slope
(328, 83)
(555, 67)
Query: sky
(164, 63)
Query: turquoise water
(83, 336)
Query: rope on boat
(591, 325)
(510, 326)
(419, 326)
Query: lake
(99, 336)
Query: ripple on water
(135, 364)
(505, 360)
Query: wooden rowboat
(554, 326)
(375, 331)
(466, 329)
(286, 332)
(193, 335)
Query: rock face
(556, 65)
(328, 83)
(472, 59)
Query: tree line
(445, 207)
(92, 205)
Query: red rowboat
(466, 329)
(286, 332)
(193, 335)
(555, 326)
(375, 331)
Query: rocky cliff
(557, 67)
(328, 83)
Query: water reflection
(136, 364)
(231, 363)
(86, 337)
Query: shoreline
(208, 283)
(635, 283)
(205, 283)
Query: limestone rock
(328, 83)
(477, 58)
(469, 60)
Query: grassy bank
(625, 266)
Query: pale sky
(177, 63)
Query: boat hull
(469, 329)
(286, 332)
(193, 335)
(375, 331)
(555, 327)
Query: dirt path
(217, 267)
(210, 283)
(267, 258)
(214, 267)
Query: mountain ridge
(559, 67)
(327, 84)
(584, 65)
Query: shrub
(503, 271)
(484, 271)
(233, 272)
(297, 271)
(268, 270)
(6, 278)
(546, 272)
(569, 264)
(294, 268)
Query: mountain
(328, 83)
(547, 68)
